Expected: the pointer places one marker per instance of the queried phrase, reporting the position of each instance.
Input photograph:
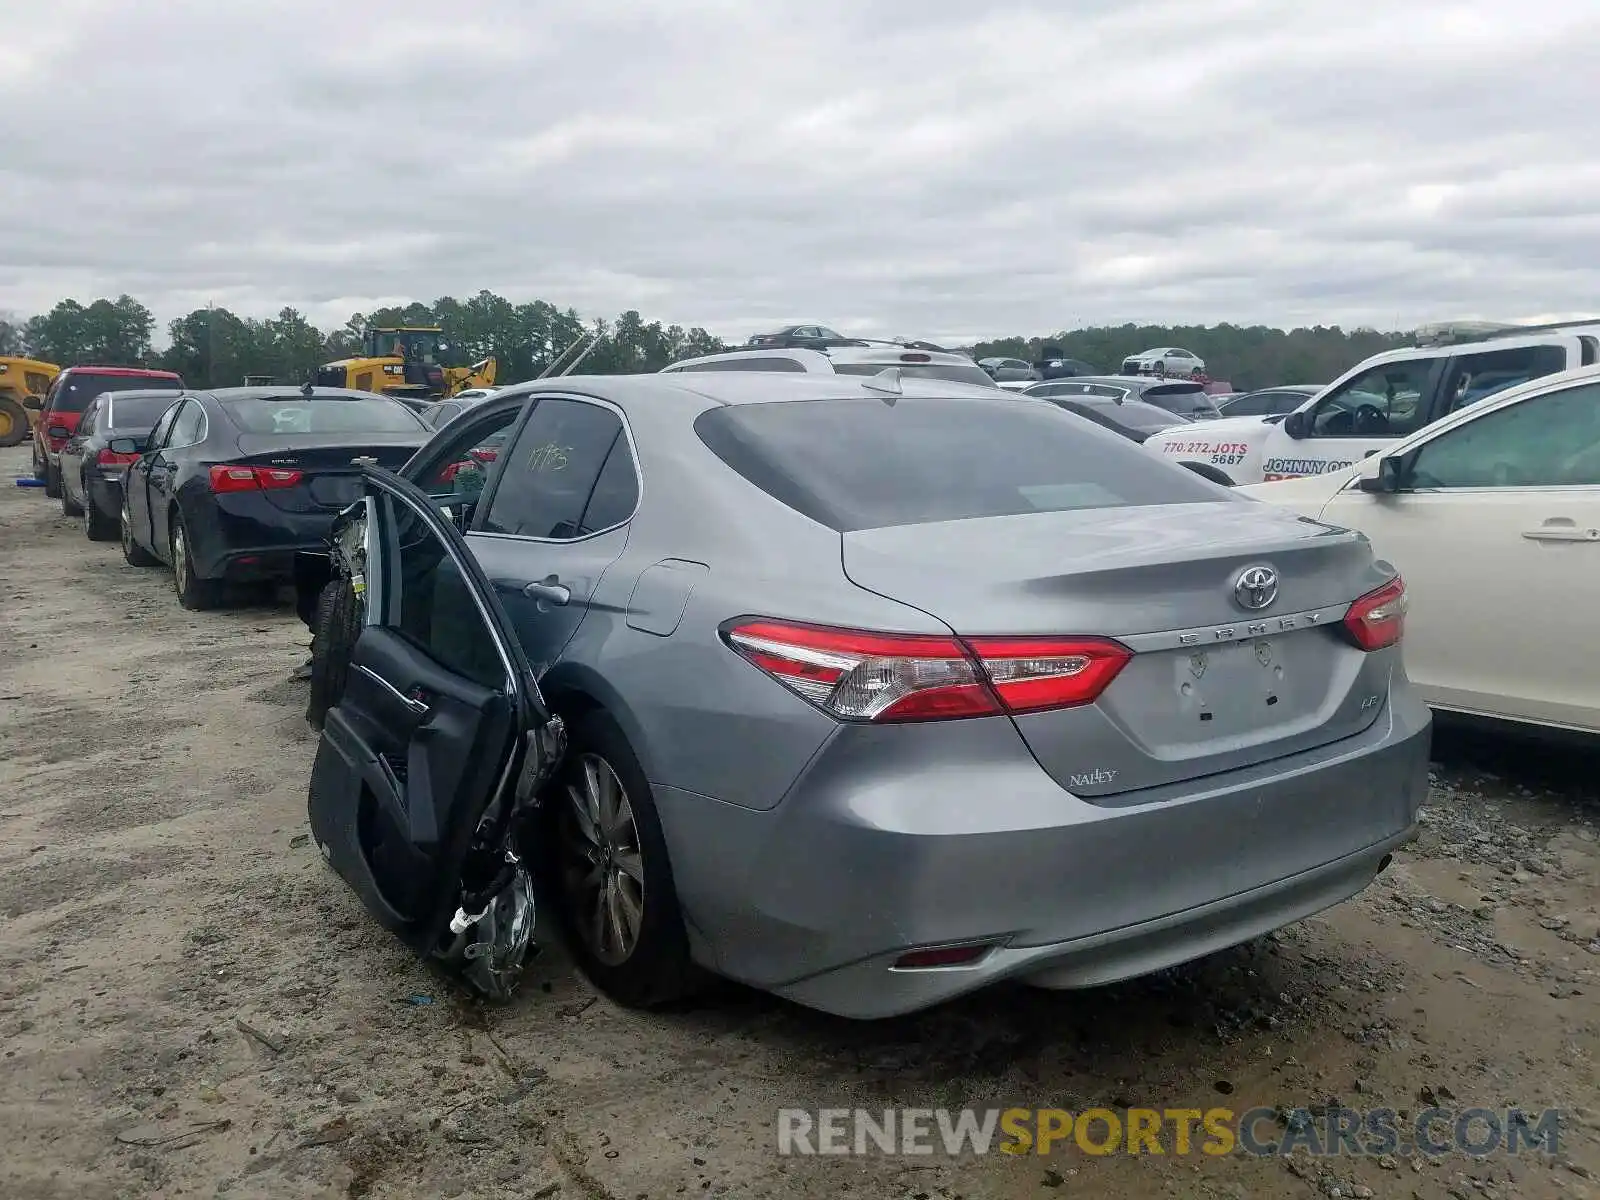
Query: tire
(656, 968)
(333, 638)
(136, 554)
(1207, 471)
(69, 506)
(97, 527)
(52, 481)
(13, 423)
(194, 593)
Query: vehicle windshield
(322, 414)
(135, 412)
(74, 395)
(950, 372)
(1179, 398)
(865, 464)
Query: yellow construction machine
(404, 360)
(23, 383)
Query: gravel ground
(191, 1003)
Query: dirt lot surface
(191, 1003)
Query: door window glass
(1475, 377)
(189, 427)
(1386, 401)
(551, 471)
(1551, 440)
(430, 602)
(158, 435)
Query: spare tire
(333, 640)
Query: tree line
(214, 347)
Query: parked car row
(227, 486)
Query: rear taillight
(227, 478)
(484, 454)
(1378, 619)
(110, 458)
(859, 676)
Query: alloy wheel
(180, 560)
(602, 868)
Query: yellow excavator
(404, 360)
(23, 383)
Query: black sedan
(1181, 396)
(95, 459)
(801, 337)
(1133, 419)
(236, 482)
(1273, 402)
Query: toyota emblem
(1256, 587)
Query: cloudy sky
(937, 168)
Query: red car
(69, 395)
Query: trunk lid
(1212, 685)
(329, 479)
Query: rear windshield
(953, 372)
(1179, 397)
(1146, 418)
(322, 414)
(74, 395)
(136, 412)
(866, 464)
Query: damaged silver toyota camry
(876, 691)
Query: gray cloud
(932, 168)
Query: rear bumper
(247, 540)
(962, 837)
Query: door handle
(1561, 533)
(550, 590)
(411, 702)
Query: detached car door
(439, 742)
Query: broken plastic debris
(416, 1000)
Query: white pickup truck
(1383, 399)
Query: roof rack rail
(1446, 333)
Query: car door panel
(427, 745)
(529, 577)
(1465, 555)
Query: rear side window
(74, 395)
(552, 470)
(323, 414)
(866, 464)
(951, 372)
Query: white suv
(870, 359)
(1373, 405)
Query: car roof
(699, 390)
(821, 361)
(126, 372)
(286, 392)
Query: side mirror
(33, 403)
(124, 446)
(1297, 425)
(1381, 476)
(59, 431)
